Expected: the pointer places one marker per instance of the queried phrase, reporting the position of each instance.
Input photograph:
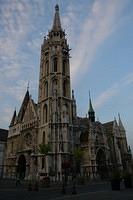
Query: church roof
(13, 118)
(23, 106)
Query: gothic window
(46, 90)
(62, 147)
(65, 113)
(43, 138)
(64, 67)
(54, 86)
(12, 147)
(46, 67)
(55, 64)
(43, 162)
(45, 114)
(97, 142)
(65, 88)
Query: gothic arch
(64, 66)
(55, 64)
(46, 89)
(21, 167)
(65, 113)
(46, 67)
(84, 137)
(43, 137)
(65, 88)
(101, 163)
(54, 86)
(45, 114)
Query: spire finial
(89, 95)
(28, 85)
(57, 7)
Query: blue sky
(100, 34)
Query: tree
(44, 148)
(78, 155)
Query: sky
(100, 35)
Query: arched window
(65, 113)
(47, 68)
(45, 114)
(64, 67)
(12, 146)
(65, 88)
(46, 90)
(54, 87)
(55, 64)
(43, 138)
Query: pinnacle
(56, 23)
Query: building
(3, 140)
(53, 122)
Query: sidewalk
(90, 191)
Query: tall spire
(57, 22)
(28, 85)
(91, 112)
(120, 122)
(90, 104)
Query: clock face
(28, 139)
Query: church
(43, 135)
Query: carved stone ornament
(28, 139)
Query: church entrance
(102, 169)
(21, 168)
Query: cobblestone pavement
(90, 191)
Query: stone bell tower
(54, 100)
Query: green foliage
(44, 148)
(78, 154)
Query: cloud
(114, 90)
(17, 91)
(6, 114)
(94, 30)
(18, 42)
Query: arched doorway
(21, 168)
(101, 164)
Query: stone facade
(53, 121)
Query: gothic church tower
(54, 101)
